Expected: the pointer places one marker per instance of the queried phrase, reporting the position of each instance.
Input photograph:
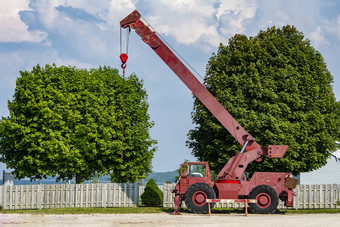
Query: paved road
(162, 219)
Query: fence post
(75, 195)
(296, 198)
(332, 202)
(137, 194)
(129, 197)
(39, 196)
(104, 195)
(4, 195)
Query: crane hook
(123, 58)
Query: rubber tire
(205, 189)
(268, 191)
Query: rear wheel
(196, 195)
(266, 197)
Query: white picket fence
(127, 195)
(307, 197)
(43, 196)
(311, 196)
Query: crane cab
(191, 173)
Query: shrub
(152, 195)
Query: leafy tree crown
(66, 121)
(277, 86)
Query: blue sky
(85, 33)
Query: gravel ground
(163, 219)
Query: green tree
(66, 121)
(152, 195)
(277, 86)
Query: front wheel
(196, 195)
(266, 197)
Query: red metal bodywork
(230, 183)
(234, 189)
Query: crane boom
(236, 166)
(197, 88)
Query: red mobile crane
(195, 185)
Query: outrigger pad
(176, 212)
(291, 182)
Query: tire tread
(199, 187)
(264, 189)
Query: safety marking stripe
(230, 200)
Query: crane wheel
(196, 195)
(267, 200)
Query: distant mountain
(161, 177)
(52, 180)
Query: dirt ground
(163, 219)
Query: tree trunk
(78, 178)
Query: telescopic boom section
(200, 91)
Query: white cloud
(13, 62)
(50, 17)
(189, 22)
(235, 15)
(201, 23)
(80, 38)
(12, 29)
(110, 11)
(317, 37)
(244, 8)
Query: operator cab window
(197, 170)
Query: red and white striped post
(245, 201)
